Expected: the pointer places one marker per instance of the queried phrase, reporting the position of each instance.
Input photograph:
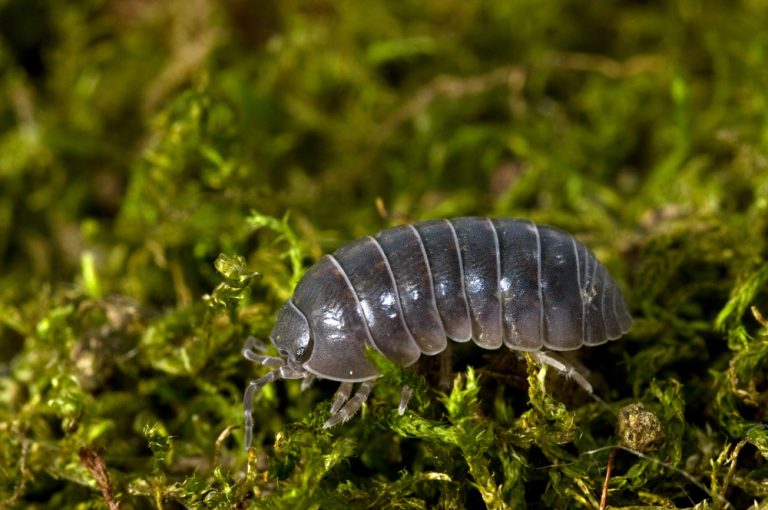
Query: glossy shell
(408, 289)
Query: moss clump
(150, 155)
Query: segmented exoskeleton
(408, 289)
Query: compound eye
(300, 352)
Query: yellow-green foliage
(168, 170)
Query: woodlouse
(408, 289)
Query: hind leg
(352, 406)
(405, 396)
(561, 365)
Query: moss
(168, 171)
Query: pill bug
(408, 289)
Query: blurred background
(141, 139)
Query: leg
(255, 386)
(250, 391)
(307, 381)
(353, 406)
(405, 396)
(446, 373)
(559, 364)
(342, 395)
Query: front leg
(255, 386)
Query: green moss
(168, 172)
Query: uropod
(408, 289)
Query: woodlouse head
(292, 337)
